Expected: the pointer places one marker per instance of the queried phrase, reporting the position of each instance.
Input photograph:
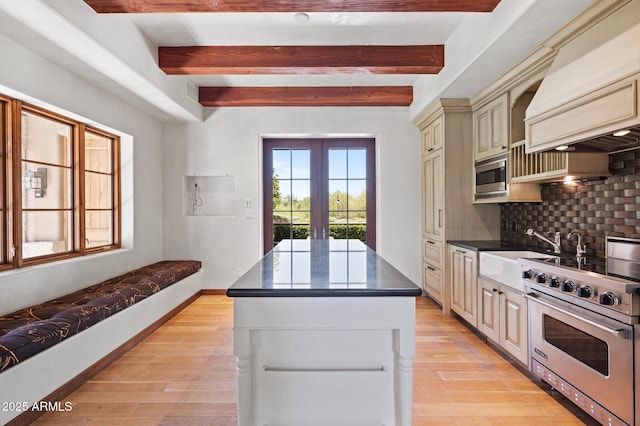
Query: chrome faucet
(580, 249)
(555, 244)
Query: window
(47, 178)
(64, 189)
(100, 182)
(4, 138)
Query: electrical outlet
(505, 225)
(514, 226)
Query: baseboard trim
(214, 292)
(72, 385)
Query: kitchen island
(324, 333)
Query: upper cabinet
(491, 128)
(433, 135)
(499, 128)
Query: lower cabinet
(432, 282)
(463, 281)
(502, 317)
(432, 277)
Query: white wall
(30, 77)
(229, 143)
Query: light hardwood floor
(184, 374)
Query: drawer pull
(322, 370)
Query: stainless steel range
(584, 317)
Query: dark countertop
(488, 245)
(322, 268)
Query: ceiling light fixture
(624, 132)
(301, 18)
(562, 148)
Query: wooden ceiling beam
(306, 96)
(178, 6)
(225, 60)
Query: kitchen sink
(503, 267)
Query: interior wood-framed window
(5, 166)
(45, 163)
(101, 215)
(60, 192)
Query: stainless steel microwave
(491, 178)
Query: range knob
(541, 278)
(528, 274)
(555, 282)
(586, 291)
(568, 286)
(609, 299)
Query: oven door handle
(621, 333)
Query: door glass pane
(291, 193)
(45, 233)
(337, 163)
(300, 161)
(338, 202)
(300, 200)
(357, 163)
(282, 163)
(357, 194)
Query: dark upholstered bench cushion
(28, 331)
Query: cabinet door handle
(431, 268)
(430, 242)
(460, 251)
(439, 218)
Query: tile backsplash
(594, 208)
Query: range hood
(591, 90)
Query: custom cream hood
(592, 89)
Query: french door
(319, 189)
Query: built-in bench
(29, 331)
(44, 346)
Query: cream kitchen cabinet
(463, 282)
(432, 135)
(448, 212)
(432, 282)
(433, 196)
(432, 266)
(502, 317)
(491, 128)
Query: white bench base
(38, 376)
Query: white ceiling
(118, 52)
